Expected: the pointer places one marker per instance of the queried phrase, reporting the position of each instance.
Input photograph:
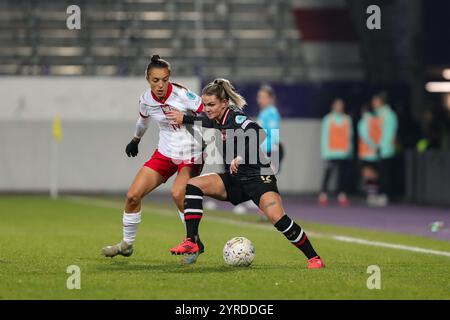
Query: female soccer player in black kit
(244, 178)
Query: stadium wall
(91, 156)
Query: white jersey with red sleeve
(175, 141)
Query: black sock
(296, 236)
(193, 210)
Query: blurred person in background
(432, 136)
(386, 149)
(269, 119)
(336, 150)
(369, 137)
(436, 132)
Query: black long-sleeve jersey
(240, 137)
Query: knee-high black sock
(193, 210)
(296, 236)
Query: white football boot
(122, 248)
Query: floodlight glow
(441, 87)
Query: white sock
(130, 226)
(181, 216)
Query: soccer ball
(239, 251)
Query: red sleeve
(200, 108)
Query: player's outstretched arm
(178, 117)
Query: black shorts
(239, 191)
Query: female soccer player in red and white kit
(177, 150)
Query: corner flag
(57, 131)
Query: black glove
(132, 148)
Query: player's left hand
(175, 116)
(235, 164)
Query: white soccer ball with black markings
(239, 251)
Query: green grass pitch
(40, 238)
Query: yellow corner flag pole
(57, 137)
(57, 131)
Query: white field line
(173, 213)
(390, 245)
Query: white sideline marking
(166, 212)
(390, 245)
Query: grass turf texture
(40, 238)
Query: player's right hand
(235, 164)
(175, 116)
(132, 148)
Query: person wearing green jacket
(336, 150)
(386, 149)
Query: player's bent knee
(133, 199)
(177, 194)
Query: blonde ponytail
(224, 90)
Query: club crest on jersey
(190, 95)
(165, 108)
(240, 119)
